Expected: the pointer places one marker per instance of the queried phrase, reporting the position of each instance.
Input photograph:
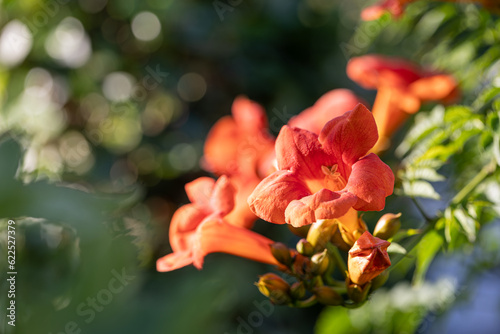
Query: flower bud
(300, 266)
(350, 235)
(380, 280)
(387, 226)
(327, 296)
(367, 258)
(304, 247)
(319, 263)
(275, 288)
(357, 293)
(299, 231)
(281, 253)
(297, 290)
(321, 232)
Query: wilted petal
(324, 204)
(371, 181)
(367, 258)
(271, 197)
(220, 237)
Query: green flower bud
(281, 253)
(387, 226)
(304, 247)
(275, 288)
(299, 231)
(327, 296)
(297, 290)
(380, 280)
(321, 232)
(357, 293)
(319, 263)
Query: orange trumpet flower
(396, 7)
(200, 228)
(401, 89)
(239, 144)
(322, 177)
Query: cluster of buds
(318, 262)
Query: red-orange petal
(222, 197)
(221, 147)
(371, 181)
(332, 104)
(183, 225)
(241, 215)
(324, 204)
(433, 88)
(299, 150)
(173, 261)
(373, 71)
(271, 197)
(249, 115)
(395, 7)
(220, 237)
(199, 192)
(350, 136)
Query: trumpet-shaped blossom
(200, 228)
(396, 7)
(239, 144)
(322, 177)
(402, 88)
(367, 258)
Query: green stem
(351, 305)
(469, 187)
(410, 245)
(306, 302)
(337, 258)
(339, 290)
(421, 209)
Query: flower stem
(306, 302)
(337, 258)
(421, 209)
(469, 187)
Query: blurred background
(105, 105)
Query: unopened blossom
(367, 258)
(322, 177)
(200, 228)
(387, 226)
